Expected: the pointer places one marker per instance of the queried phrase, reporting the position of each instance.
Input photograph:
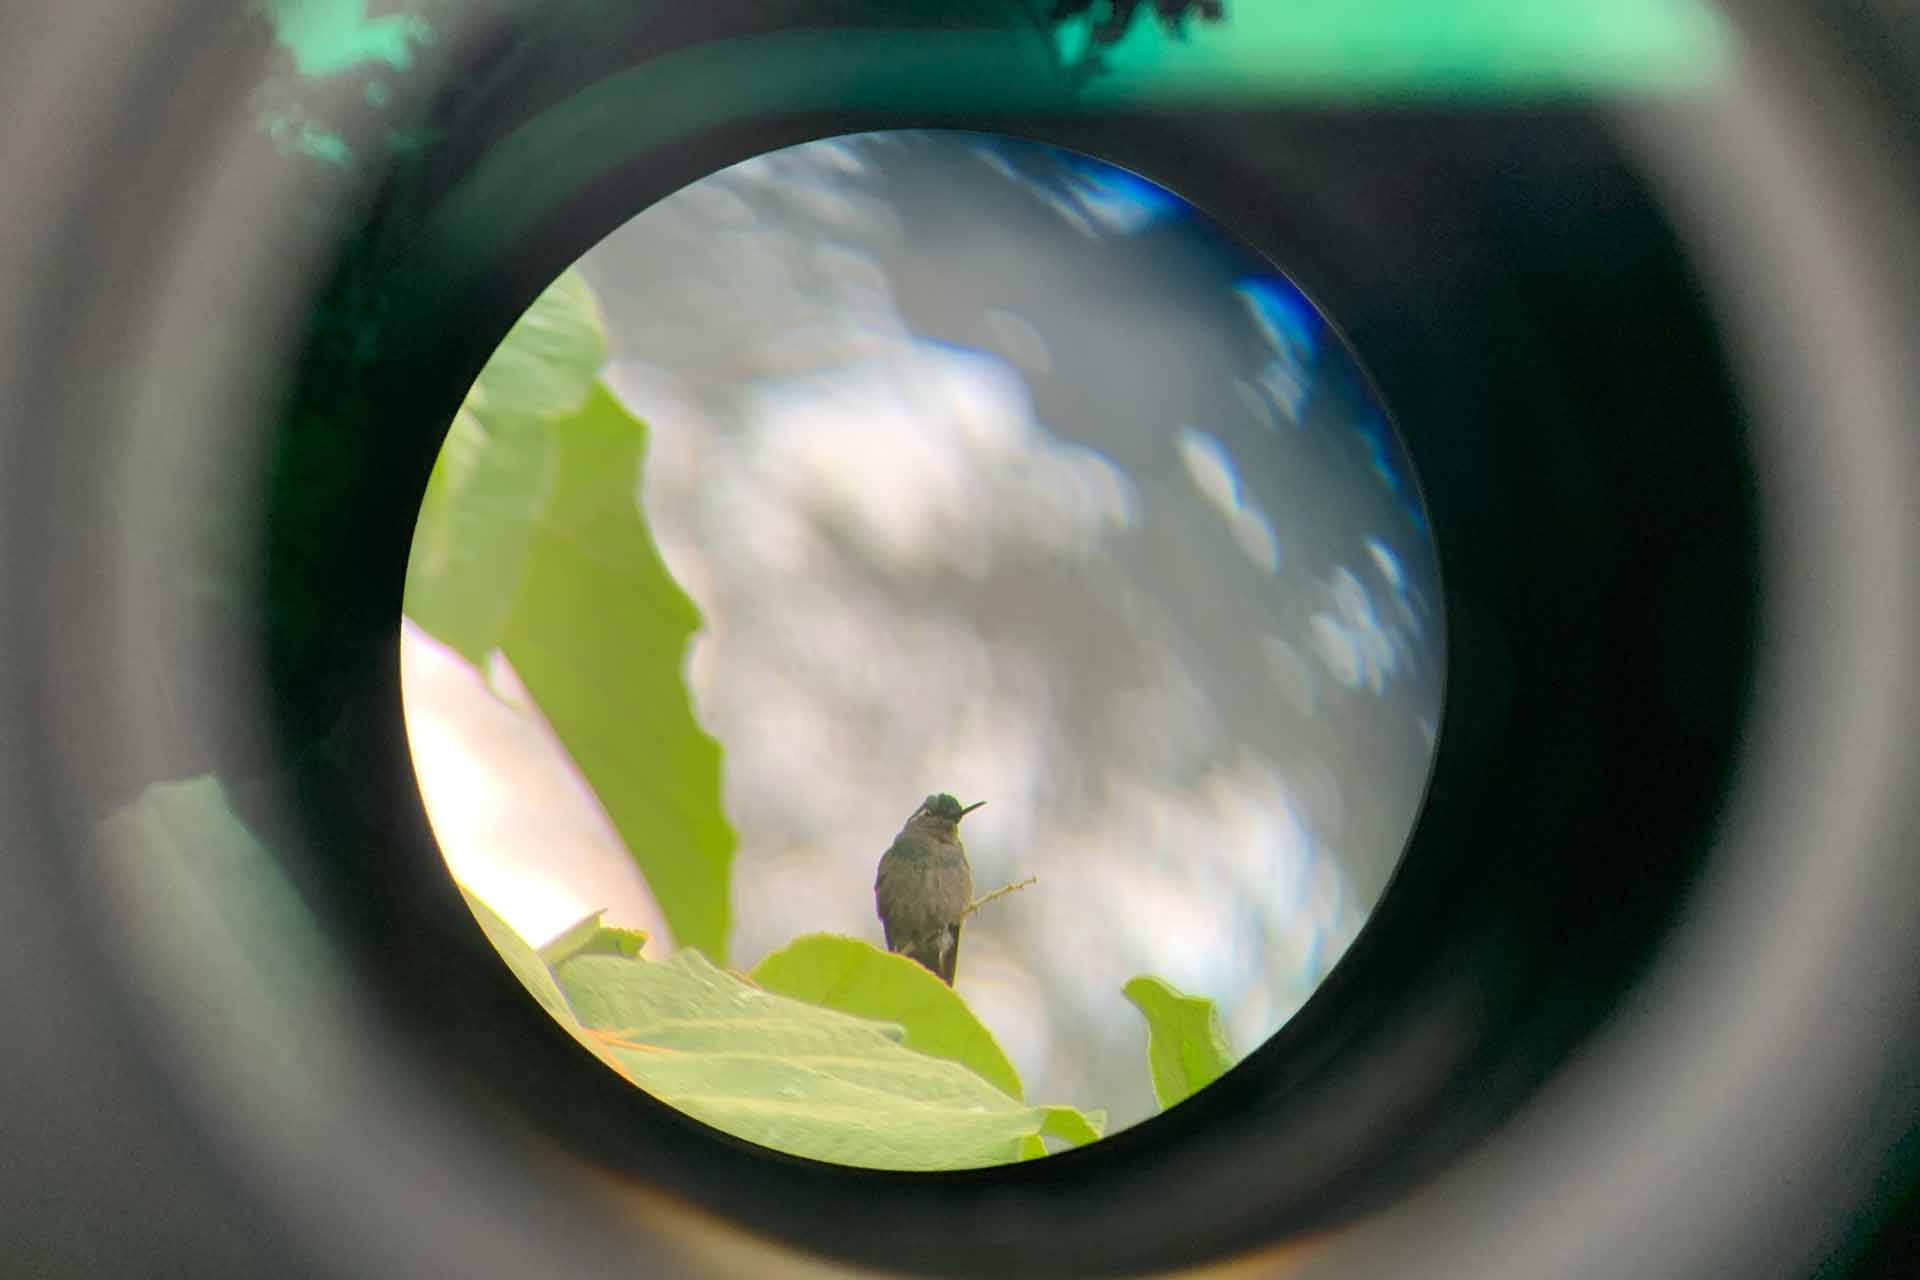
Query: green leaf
(530, 542)
(1187, 1047)
(536, 976)
(809, 1081)
(613, 940)
(226, 924)
(494, 470)
(521, 958)
(548, 362)
(598, 633)
(857, 977)
(571, 940)
(1071, 1125)
(590, 937)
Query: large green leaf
(598, 632)
(1187, 1047)
(493, 474)
(549, 360)
(857, 977)
(530, 542)
(809, 1081)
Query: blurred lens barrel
(1639, 1000)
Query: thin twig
(1001, 892)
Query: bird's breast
(923, 885)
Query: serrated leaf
(857, 977)
(1187, 1047)
(530, 542)
(598, 633)
(810, 1081)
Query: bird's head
(943, 809)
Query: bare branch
(1001, 892)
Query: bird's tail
(937, 952)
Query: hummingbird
(924, 885)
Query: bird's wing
(949, 889)
(895, 882)
(880, 879)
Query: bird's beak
(970, 808)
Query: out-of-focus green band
(1372, 49)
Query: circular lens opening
(868, 482)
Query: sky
(997, 470)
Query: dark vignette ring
(1583, 753)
